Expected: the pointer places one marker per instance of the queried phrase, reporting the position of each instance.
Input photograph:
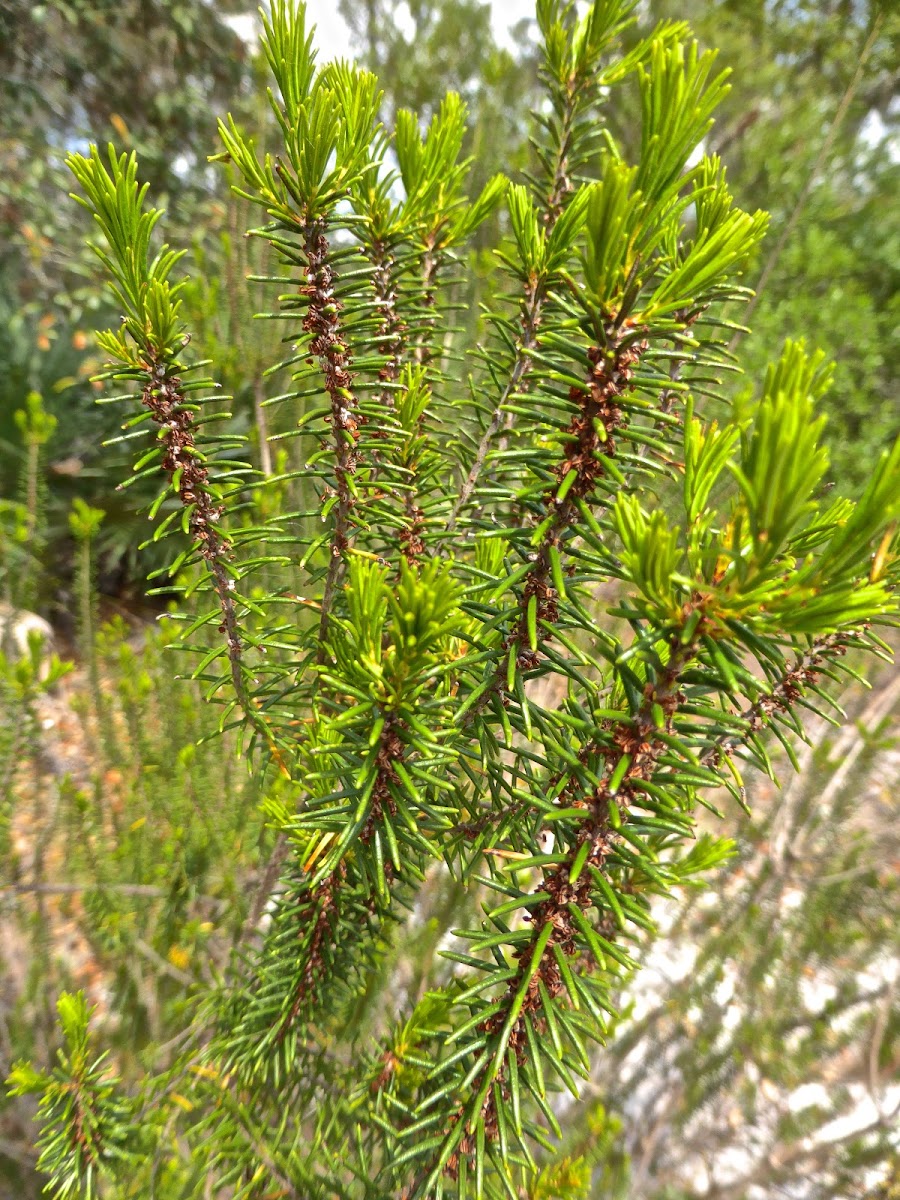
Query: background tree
(811, 136)
(153, 75)
(421, 51)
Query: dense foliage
(494, 624)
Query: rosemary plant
(541, 610)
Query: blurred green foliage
(152, 75)
(128, 830)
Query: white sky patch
(808, 1094)
(245, 25)
(404, 21)
(696, 155)
(332, 37)
(505, 14)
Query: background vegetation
(760, 1050)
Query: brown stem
(561, 184)
(164, 397)
(321, 909)
(782, 695)
(326, 344)
(638, 741)
(329, 347)
(610, 377)
(318, 922)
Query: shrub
(515, 615)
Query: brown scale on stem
(636, 739)
(319, 916)
(802, 673)
(611, 375)
(412, 545)
(591, 434)
(164, 397)
(327, 344)
(390, 751)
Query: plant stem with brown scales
(412, 545)
(317, 920)
(185, 466)
(567, 903)
(327, 344)
(639, 741)
(782, 695)
(390, 751)
(321, 911)
(592, 437)
(611, 376)
(561, 184)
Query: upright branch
(188, 474)
(589, 450)
(147, 348)
(329, 346)
(576, 77)
(699, 599)
(301, 191)
(437, 213)
(408, 243)
(354, 860)
(392, 330)
(384, 233)
(557, 912)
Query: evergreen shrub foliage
(534, 606)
